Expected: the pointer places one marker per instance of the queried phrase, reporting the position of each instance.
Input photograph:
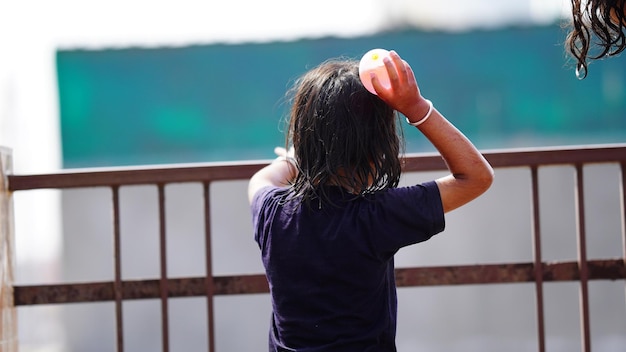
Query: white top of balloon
(372, 61)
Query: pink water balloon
(372, 61)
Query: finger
(378, 87)
(391, 71)
(410, 75)
(399, 64)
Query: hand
(282, 152)
(404, 94)
(286, 155)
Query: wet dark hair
(341, 133)
(601, 20)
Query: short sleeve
(407, 215)
(258, 207)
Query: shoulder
(405, 215)
(268, 197)
(265, 192)
(423, 193)
(419, 203)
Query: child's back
(328, 216)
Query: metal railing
(164, 288)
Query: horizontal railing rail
(200, 172)
(607, 269)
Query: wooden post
(8, 316)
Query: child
(603, 21)
(329, 218)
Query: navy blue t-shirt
(330, 266)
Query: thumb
(280, 151)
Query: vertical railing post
(209, 266)
(623, 207)
(8, 318)
(582, 260)
(165, 330)
(117, 258)
(538, 259)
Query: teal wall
(506, 88)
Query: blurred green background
(512, 87)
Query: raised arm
(470, 173)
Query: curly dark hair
(342, 134)
(601, 20)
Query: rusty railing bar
(538, 264)
(592, 154)
(623, 207)
(117, 284)
(163, 282)
(606, 269)
(582, 259)
(163, 288)
(173, 173)
(209, 266)
(104, 177)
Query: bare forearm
(471, 174)
(460, 154)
